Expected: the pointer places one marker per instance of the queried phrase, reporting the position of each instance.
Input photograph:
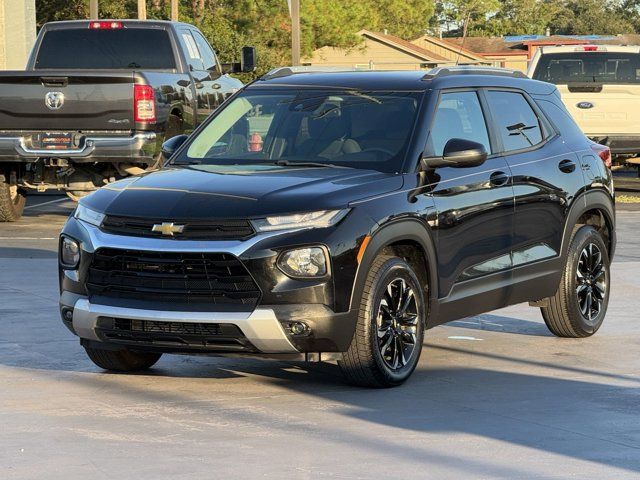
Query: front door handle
(567, 166)
(497, 179)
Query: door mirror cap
(171, 145)
(247, 62)
(458, 153)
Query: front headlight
(304, 262)
(87, 215)
(69, 252)
(320, 219)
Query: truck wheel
(124, 360)
(580, 304)
(387, 342)
(12, 200)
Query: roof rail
(472, 70)
(293, 70)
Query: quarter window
(459, 115)
(517, 123)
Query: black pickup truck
(98, 99)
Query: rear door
(599, 87)
(547, 176)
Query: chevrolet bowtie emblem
(167, 228)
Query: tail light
(104, 25)
(603, 152)
(144, 104)
(591, 48)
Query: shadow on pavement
(498, 323)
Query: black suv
(342, 214)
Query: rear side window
(459, 115)
(588, 67)
(83, 48)
(516, 122)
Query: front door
(474, 212)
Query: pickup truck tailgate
(604, 109)
(46, 100)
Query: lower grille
(175, 335)
(173, 277)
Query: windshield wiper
(187, 162)
(289, 163)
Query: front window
(355, 129)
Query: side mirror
(458, 153)
(171, 145)
(247, 63)
(248, 60)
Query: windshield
(76, 48)
(355, 129)
(584, 67)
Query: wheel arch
(595, 208)
(410, 239)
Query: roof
(404, 45)
(400, 81)
(456, 48)
(125, 21)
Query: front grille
(174, 335)
(173, 277)
(193, 229)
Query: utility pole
(174, 10)
(294, 6)
(142, 10)
(93, 9)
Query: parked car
(600, 86)
(97, 100)
(343, 214)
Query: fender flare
(411, 229)
(590, 200)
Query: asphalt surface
(494, 396)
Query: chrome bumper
(260, 327)
(138, 145)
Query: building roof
(404, 45)
(456, 48)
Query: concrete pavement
(494, 396)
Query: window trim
(547, 129)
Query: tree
(460, 15)
(524, 17)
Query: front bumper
(139, 147)
(261, 328)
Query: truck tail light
(590, 48)
(144, 104)
(104, 25)
(603, 152)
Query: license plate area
(54, 141)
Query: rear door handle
(567, 166)
(498, 179)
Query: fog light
(299, 328)
(67, 314)
(304, 262)
(69, 253)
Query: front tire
(579, 306)
(387, 343)
(124, 360)
(12, 199)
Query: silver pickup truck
(97, 100)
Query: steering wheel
(378, 149)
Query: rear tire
(12, 200)
(579, 306)
(387, 343)
(124, 360)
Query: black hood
(202, 192)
